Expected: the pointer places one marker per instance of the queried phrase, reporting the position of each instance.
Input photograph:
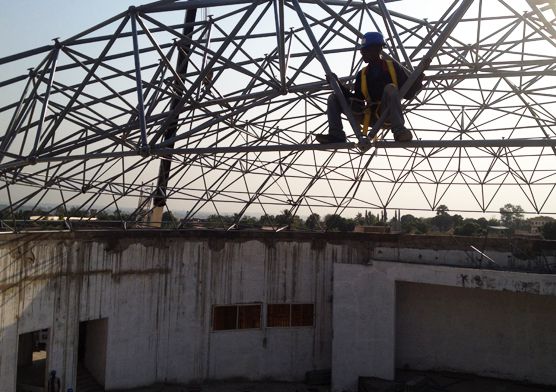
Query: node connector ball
(32, 160)
(145, 151)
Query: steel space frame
(159, 108)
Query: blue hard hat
(372, 38)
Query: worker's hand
(332, 76)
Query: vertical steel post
(138, 79)
(330, 75)
(160, 193)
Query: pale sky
(27, 24)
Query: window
(290, 315)
(302, 315)
(227, 317)
(278, 315)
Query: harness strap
(392, 72)
(370, 103)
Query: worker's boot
(402, 135)
(327, 138)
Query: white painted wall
(157, 296)
(492, 333)
(95, 349)
(363, 325)
(156, 291)
(506, 318)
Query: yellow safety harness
(368, 112)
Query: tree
(337, 223)
(483, 223)
(313, 221)
(411, 224)
(368, 219)
(457, 220)
(408, 223)
(493, 222)
(169, 220)
(284, 219)
(470, 227)
(443, 221)
(359, 219)
(422, 226)
(442, 210)
(511, 216)
(249, 221)
(549, 230)
(371, 219)
(223, 221)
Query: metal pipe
(280, 38)
(138, 79)
(182, 62)
(388, 18)
(46, 97)
(177, 6)
(420, 144)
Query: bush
(549, 230)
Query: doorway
(91, 355)
(32, 357)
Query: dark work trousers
(390, 99)
(54, 384)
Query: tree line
(511, 217)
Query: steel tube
(138, 80)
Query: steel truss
(150, 112)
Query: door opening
(32, 359)
(91, 355)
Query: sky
(26, 24)
(33, 23)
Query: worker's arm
(345, 89)
(403, 77)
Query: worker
(53, 382)
(377, 88)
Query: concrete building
(135, 308)
(538, 222)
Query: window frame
(259, 305)
(291, 305)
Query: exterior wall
(365, 315)
(492, 333)
(95, 354)
(363, 324)
(156, 291)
